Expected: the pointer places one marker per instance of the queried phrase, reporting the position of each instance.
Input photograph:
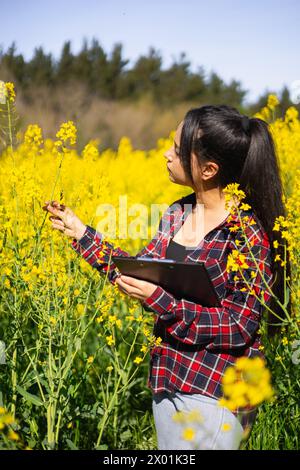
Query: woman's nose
(168, 155)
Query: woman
(213, 146)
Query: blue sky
(255, 42)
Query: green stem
(284, 275)
(39, 230)
(33, 362)
(58, 426)
(112, 402)
(14, 382)
(51, 405)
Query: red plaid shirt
(198, 343)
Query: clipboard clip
(143, 258)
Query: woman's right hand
(64, 220)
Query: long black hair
(245, 155)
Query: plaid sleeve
(97, 252)
(232, 325)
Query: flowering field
(74, 350)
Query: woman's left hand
(135, 287)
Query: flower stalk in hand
(64, 220)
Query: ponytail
(261, 182)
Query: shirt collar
(231, 219)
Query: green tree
(115, 71)
(14, 65)
(145, 76)
(82, 64)
(99, 74)
(65, 65)
(40, 68)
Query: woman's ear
(209, 170)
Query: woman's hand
(135, 287)
(65, 220)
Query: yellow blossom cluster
(90, 151)
(6, 419)
(67, 134)
(33, 135)
(266, 113)
(246, 383)
(236, 261)
(7, 90)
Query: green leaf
(102, 447)
(71, 445)
(126, 435)
(29, 396)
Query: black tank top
(177, 251)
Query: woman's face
(175, 168)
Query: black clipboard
(184, 280)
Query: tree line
(107, 76)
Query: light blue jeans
(209, 434)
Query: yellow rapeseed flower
(80, 309)
(138, 360)
(291, 114)
(272, 101)
(226, 427)
(188, 434)
(10, 91)
(112, 319)
(130, 317)
(90, 151)
(67, 133)
(110, 340)
(33, 135)
(13, 435)
(247, 382)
